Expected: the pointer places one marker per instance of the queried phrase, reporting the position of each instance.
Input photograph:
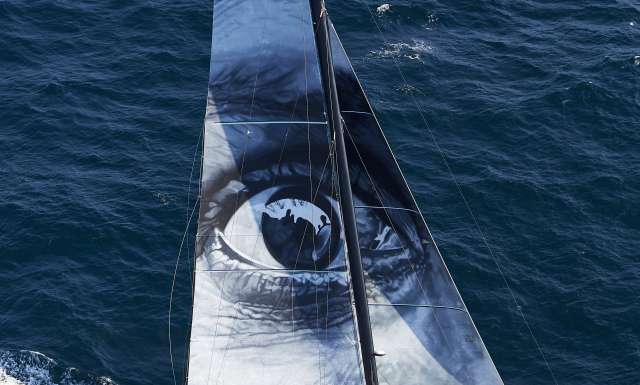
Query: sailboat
(313, 263)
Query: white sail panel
(264, 63)
(272, 327)
(435, 345)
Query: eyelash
(286, 173)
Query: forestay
(272, 298)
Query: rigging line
(284, 143)
(352, 302)
(182, 242)
(331, 144)
(386, 210)
(188, 205)
(282, 148)
(215, 330)
(193, 163)
(335, 139)
(275, 178)
(244, 153)
(173, 285)
(261, 51)
(414, 269)
(313, 240)
(192, 265)
(304, 233)
(467, 205)
(336, 181)
(295, 266)
(241, 191)
(311, 195)
(230, 339)
(328, 288)
(286, 133)
(335, 193)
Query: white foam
(33, 368)
(415, 50)
(383, 8)
(6, 379)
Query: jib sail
(417, 316)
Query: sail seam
(415, 305)
(271, 122)
(385, 208)
(273, 270)
(356, 112)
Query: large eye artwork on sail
(270, 218)
(272, 287)
(291, 230)
(272, 302)
(271, 203)
(271, 283)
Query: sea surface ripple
(535, 105)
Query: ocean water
(534, 105)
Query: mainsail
(273, 290)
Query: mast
(319, 17)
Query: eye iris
(297, 233)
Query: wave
(32, 368)
(413, 51)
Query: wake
(32, 368)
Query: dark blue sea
(533, 118)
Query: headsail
(273, 303)
(417, 315)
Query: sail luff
(346, 202)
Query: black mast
(321, 25)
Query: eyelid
(222, 204)
(264, 247)
(241, 258)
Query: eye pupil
(298, 234)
